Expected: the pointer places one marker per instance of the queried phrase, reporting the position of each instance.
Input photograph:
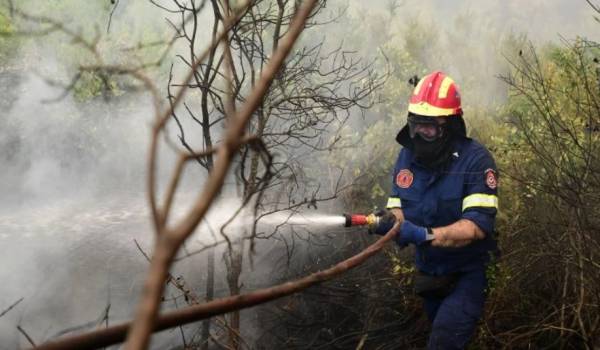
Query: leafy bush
(549, 291)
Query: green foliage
(85, 43)
(8, 43)
(91, 85)
(548, 154)
(401, 268)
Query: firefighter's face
(428, 128)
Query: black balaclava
(435, 154)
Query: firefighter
(445, 195)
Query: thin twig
(11, 307)
(22, 331)
(115, 4)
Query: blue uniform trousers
(454, 317)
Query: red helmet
(436, 95)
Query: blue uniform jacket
(465, 189)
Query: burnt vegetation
(308, 102)
(248, 101)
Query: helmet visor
(428, 128)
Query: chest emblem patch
(490, 179)
(404, 178)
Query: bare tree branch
(169, 240)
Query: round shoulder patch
(490, 178)
(404, 178)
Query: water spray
(371, 221)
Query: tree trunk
(210, 289)
(234, 260)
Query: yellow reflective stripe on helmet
(418, 87)
(425, 109)
(480, 200)
(393, 202)
(444, 86)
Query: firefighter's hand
(411, 233)
(386, 222)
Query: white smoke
(72, 185)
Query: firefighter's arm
(457, 234)
(479, 206)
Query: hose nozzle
(360, 220)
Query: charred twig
(115, 4)
(190, 297)
(29, 339)
(103, 317)
(5, 311)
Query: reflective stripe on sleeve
(394, 202)
(480, 200)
